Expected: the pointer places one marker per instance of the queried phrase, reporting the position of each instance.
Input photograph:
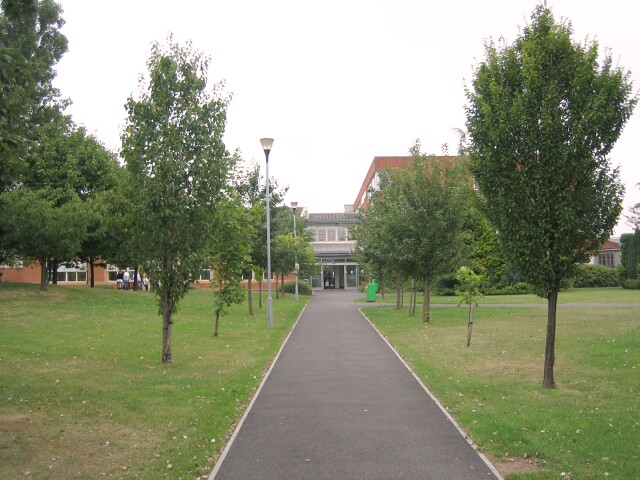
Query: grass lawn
(574, 295)
(83, 393)
(586, 428)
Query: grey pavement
(339, 403)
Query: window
(342, 234)
(331, 234)
(606, 259)
(75, 273)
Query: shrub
(303, 287)
(447, 285)
(631, 284)
(519, 288)
(595, 276)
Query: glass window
(342, 234)
(322, 234)
(331, 234)
(82, 277)
(112, 275)
(61, 276)
(71, 276)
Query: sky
(335, 83)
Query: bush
(519, 288)
(588, 276)
(631, 284)
(447, 285)
(303, 287)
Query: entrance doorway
(333, 276)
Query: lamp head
(267, 143)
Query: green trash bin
(372, 289)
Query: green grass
(83, 393)
(574, 295)
(588, 427)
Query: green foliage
(303, 287)
(31, 44)
(178, 168)
(230, 252)
(630, 253)
(542, 118)
(43, 224)
(470, 284)
(413, 228)
(587, 276)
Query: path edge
(227, 447)
(437, 402)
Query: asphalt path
(339, 403)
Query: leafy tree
(31, 44)
(630, 253)
(427, 201)
(178, 167)
(230, 247)
(470, 292)
(43, 224)
(542, 118)
(252, 190)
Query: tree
(230, 249)
(43, 224)
(630, 253)
(178, 168)
(31, 44)
(470, 293)
(542, 118)
(427, 203)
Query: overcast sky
(335, 82)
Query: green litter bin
(372, 289)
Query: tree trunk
(92, 272)
(53, 271)
(426, 305)
(135, 278)
(167, 321)
(215, 328)
(549, 351)
(276, 275)
(398, 293)
(250, 299)
(43, 273)
(412, 298)
(472, 314)
(260, 294)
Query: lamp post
(294, 206)
(267, 143)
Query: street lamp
(294, 206)
(267, 143)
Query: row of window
(331, 233)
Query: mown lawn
(84, 394)
(586, 428)
(574, 295)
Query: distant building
(609, 254)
